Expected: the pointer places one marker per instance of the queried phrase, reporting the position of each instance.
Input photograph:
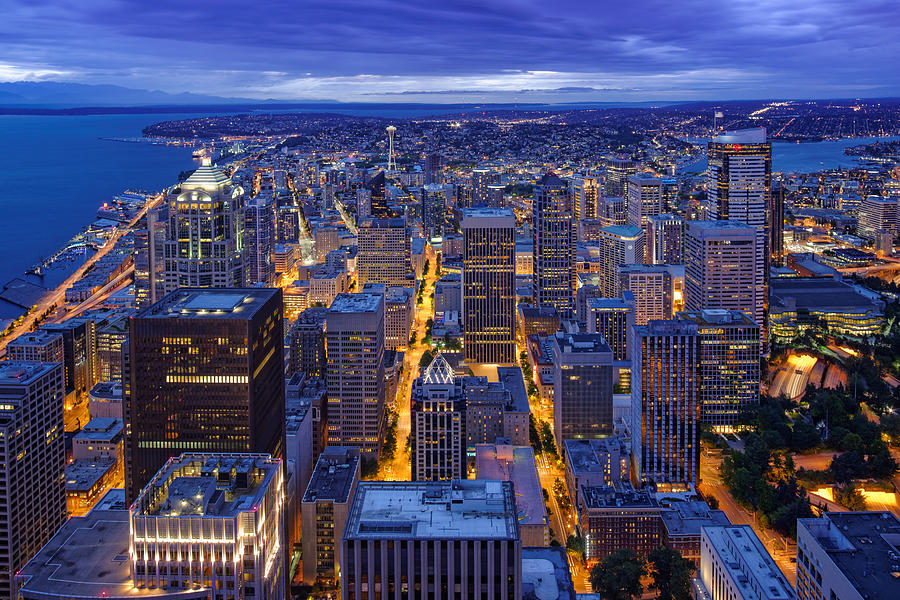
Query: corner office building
(489, 285)
(207, 375)
(456, 539)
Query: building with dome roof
(204, 240)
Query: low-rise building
(683, 521)
(517, 464)
(734, 565)
(848, 555)
(799, 303)
(596, 462)
(105, 400)
(616, 517)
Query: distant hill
(53, 94)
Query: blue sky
(490, 51)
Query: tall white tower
(392, 164)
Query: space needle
(392, 164)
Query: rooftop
(207, 484)
(756, 135)
(625, 231)
(82, 475)
(580, 343)
(206, 177)
(100, 429)
(361, 302)
(717, 316)
(38, 337)
(584, 455)
(333, 476)
(865, 546)
(461, 509)
(618, 496)
(744, 557)
(88, 558)
(720, 226)
(816, 292)
(687, 518)
(207, 303)
(515, 464)
(22, 372)
(107, 389)
(546, 575)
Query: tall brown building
(206, 375)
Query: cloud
(363, 49)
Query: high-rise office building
(729, 365)
(612, 210)
(383, 252)
(489, 285)
(204, 244)
(585, 193)
(354, 341)
(434, 169)
(434, 208)
(644, 198)
(617, 173)
(665, 402)
(618, 245)
(582, 386)
(259, 240)
(438, 416)
(721, 269)
(878, 213)
(496, 192)
(307, 336)
(652, 288)
(451, 539)
(214, 521)
(554, 245)
(377, 197)
(613, 318)
(481, 179)
(848, 555)
(206, 375)
(665, 239)
(149, 252)
(79, 352)
(775, 219)
(33, 455)
(738, 188)
(110, 339)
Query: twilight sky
(451, 51)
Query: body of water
(791, 157)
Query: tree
(575, 543)
(847, 467)
(882, 465)
(850, 497)
(671, 574)
(618, 576)
(426, 359)
(534, 436)
(412, 338)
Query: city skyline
(457, 52)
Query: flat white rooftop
(464, 509)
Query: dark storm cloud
(347, 48)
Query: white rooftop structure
(756, 135)
(206, 177)
(438, 371)
(459, 509)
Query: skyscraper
(259, 240)
(612, 210)
(775, 219)
(665, 402)
(437, 412)
(582, 386)
(652, 288)
(613, 318)
(434, 169)
(307, 336)
(149, 252)
(618, 245)
(729, 365)
(665, 239)
(434, 209)
(207, 375)
(354, 340)
(383, 252)
(644, 197)
(554, 245)
(377, 197)
(738, 188)
(585, 193)
(33, 458)
(878, 213)
(489, 285)
(617, 172)
(721, 268)
(481, 179)
(204, 244)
